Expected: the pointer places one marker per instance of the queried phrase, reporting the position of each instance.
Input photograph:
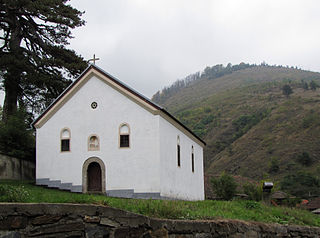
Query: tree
(224, 187)
(274, 166)
(287, 90)
(313, 85)
(305, 159)
(35, 65)
(304, 85)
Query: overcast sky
(148, 44)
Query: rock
(92, 219)
(46, 219)
(107, 222)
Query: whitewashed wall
(135, 168)
(180, 182)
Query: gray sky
(148, 44)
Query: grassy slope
(288, 127)
(243, 210)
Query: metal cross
(94, 59)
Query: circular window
(94, 105)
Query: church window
(192, 159)
(65, 140)
(124, 136)
(94, 105)
(93, 143)
(178, 151)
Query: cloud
(150, 44)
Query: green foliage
(313, 85)
(224, 187)
(245, 122)
(305, 159)
(16, 138)
(9, 193)
(208, 209)
(252, 205)
(304, 85)
(311, 119)
(287, 90)
(301, 184)
(253, 191)
(35, 64)
(274, 166)
(208, 73)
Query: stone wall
(12, 168)
(76, 220)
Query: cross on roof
(94, 59)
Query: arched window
(178, 151)
(124, 136)
(93, 143)
(192, 159)
(65, 137)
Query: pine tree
(35, 65)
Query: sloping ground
(250, 127)
(293, 127)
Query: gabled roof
(119, 86)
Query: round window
(94, 105)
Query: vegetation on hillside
(252, 127)
(13, 191)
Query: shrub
(274, 166)
(224, 187)
(10, 193)
(301, 184)
(287, 90)
(305, 159)
(252, 205)
(16, 139)
(254, 192)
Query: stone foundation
(77, 220)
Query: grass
(208, 209)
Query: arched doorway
(93, 176)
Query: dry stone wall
(74, 220)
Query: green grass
(209, 209)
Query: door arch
(93, 176)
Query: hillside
(251, 128)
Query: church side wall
(134, 168)
(180, 182)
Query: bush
(301, 184)
(305, 159)
(10, 193)
(16, 139)
(224, 187)
(252, 205)
(274, 166)
(254, 192)
(287, 90)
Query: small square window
(65, 145)
(124, 140)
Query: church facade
(101, 136)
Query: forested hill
(253, 127)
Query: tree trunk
(13, 76)
(10, 100)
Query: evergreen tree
(35, 65)
(287, 90)
(313, 85)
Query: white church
(101, 136)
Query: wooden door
(94, 178)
